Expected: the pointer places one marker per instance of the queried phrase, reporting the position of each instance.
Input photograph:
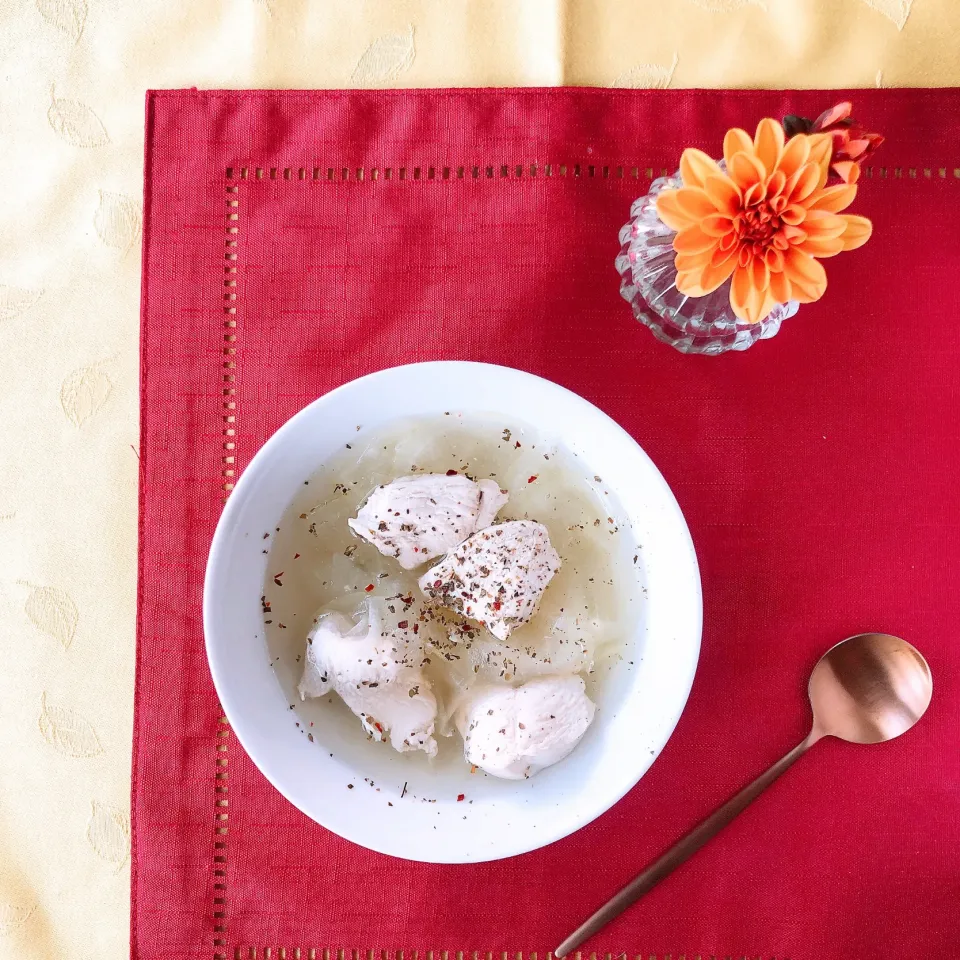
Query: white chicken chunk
(497, 576)
(514, 732)
(376, 671)
(420, 518)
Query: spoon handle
(681, 851)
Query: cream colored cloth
(72, 82)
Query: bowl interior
(642, 698)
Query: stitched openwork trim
(515, 171)
(232, 216)
(326, 953)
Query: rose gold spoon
(867, 689)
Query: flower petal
(806, 275)
(736, 141)
(833, 199)
(794, 214)
(775, 184)
(746, 170)
(691, 262)
(693, 240)
(696, 166)
(716, 274)
(688, 283)
(795, 154)
(823, 225)
(740, 291)
(780, 287)
(774, 259)
(694, 202)
(807, 180)
(759, 273)
(857, 232)
(670, 212)
(847, 170)
(768, 142)
(855, 148)
(716, 225)
(834, 115)
(821, 150)
(724, 193)
(821, 246)
(720, 255)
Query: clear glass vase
(690, 324)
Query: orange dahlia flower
(765, 222)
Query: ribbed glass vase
(690, 324)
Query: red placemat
(296, 240)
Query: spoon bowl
(868, 689)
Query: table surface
(71, 117)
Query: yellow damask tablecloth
(71, 108)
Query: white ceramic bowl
(640, 706)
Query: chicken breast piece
(514, 732)
(376, 671)
(497, 576)
(420, 518)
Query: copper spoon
(867, 689)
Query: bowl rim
(234, 505)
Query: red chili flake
(296, 556)
(451, 473)
(531, 479)
(402, 625)
(460, 797)
(368, 587)
(473, 768)
(379, 728)
(516, 446)
(497, 604)
(416, 628)
(437, 583)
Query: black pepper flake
(349, 786)
(310, 737)
(403, 792)
(349, 447)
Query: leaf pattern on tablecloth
(76, 123)
(108, 832)
(896, 10)
(12, 917)
(53, 611)
(67, 731)
(15, 300)
(117, 220)
(66, 15)
(652, 76)
(84, 392)
(386, 58)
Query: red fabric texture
(818, 474)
